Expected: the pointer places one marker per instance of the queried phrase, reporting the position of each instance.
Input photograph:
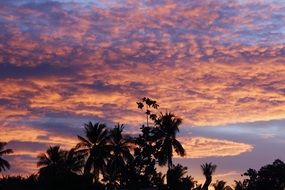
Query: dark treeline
(107, 159)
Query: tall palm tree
(208, 170)
(96, 148)
(168, 127)
(219, 185)
(52, 162)
(4, 164)
(120, 151)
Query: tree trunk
(96, 174)
(207, 183)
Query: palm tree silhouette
(120, 151)
(4, 164)
(168, 126)
(174, 176)
(56, 160)
(95, 146)
(51, 162)
(219, 185)
(59, 168)
(208, 169)
(176, 180)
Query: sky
(217, 64)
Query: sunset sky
(217, 64)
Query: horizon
(219, 65)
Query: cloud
(201, 64)
(21, 165)
(34, 138)
(10, 71)
(202, 147)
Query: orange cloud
(201, 93)
(33, 135)
(202, 147)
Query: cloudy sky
(218, 64)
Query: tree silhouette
(141, 171)
(168, 127)
(120, 155)
(271, 176)
(174, 176)
(4, 164)
(52, 161)
(238, 185)
(219, 185)
(176, 179)
(96, 148)
(56, 161)
(208, 170)
(61, 168)
(19, 182)
(51, 168)
(111, 176)
(148, 103)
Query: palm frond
(83, 142)
(7, 151)
(178, 147)
(208, 168)
(4, 164)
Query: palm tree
(96, 148)
(52, 162)
(176, 180)
(59, 168)
(208, 169)
(174, 175)
(120, 152)
(60, 161)
(168, 126)
(220, 185)
(4, 164)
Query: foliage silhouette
(238, 185)
(221, 185)
(58, 167)
(168, 125)
(176, 179)
(148, 103)
(52, 161)
(96, 148)
(271, 176)
(4, 164)
(19, 182)
(208, 170)
(142, 168)
(120, 155)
